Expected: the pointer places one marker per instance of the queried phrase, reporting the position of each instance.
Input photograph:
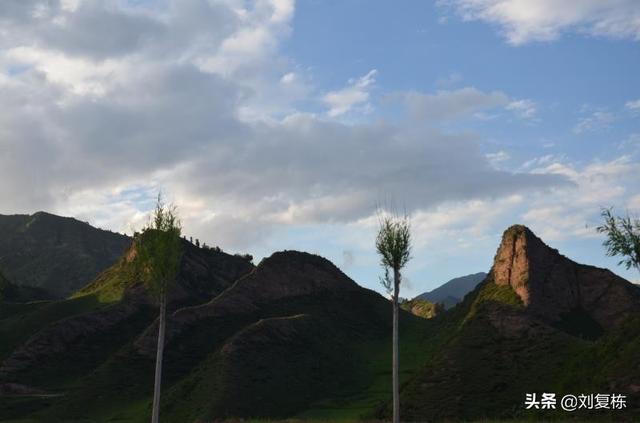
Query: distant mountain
(55, 254)
(452, 292)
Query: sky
(277, 124)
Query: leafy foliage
(393, 243)
(623, 238)
(159, 249)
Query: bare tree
(623, 238)
(159, 252)
(393, 243)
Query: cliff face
(540, 322)
(552, 286)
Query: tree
(393, 243)
(623, 238)
(159, 253)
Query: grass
(110, 285)
(27, 319)
(318, 358)
(374, 387)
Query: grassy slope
(336, 366)
(65, 372)
(20, 321)
(482, 374)
(351, 380)
(422, 308)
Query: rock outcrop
(552, 286)
(422, 308)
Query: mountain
(538, 323)
(294, 337)
(294, 334)
(452, 292)
(12, 293)
(55, 254)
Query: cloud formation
(355, 94)
(194, 97)
(523, 21)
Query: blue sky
(279, 124)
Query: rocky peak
(552, 286)
(521, 262)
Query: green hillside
(422, 308)
(56, 254)
(295, 338)
(321, 352)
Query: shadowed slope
(56, 254)
(531, 326)
(51, 345)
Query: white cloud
(570, 212)
(91, 119)
(498, 157)
(633, 105)
(525, 108)
(595, 121)
(523, 21)
(77, 74)
(355, 94)
(447, 105)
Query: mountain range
(294, 337)
(451, 293)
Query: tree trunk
(395, 363)
(155, 416)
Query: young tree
(623, 238)
(393, 243)
(159, 252)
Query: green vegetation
(110, 285)
(623, 238)
(18, 322)
(393, 244)
(259, 352)
(159, 252)
(489, 293)
(56, 254)
(422, 308)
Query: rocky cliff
(539, 322)
(551, 286)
